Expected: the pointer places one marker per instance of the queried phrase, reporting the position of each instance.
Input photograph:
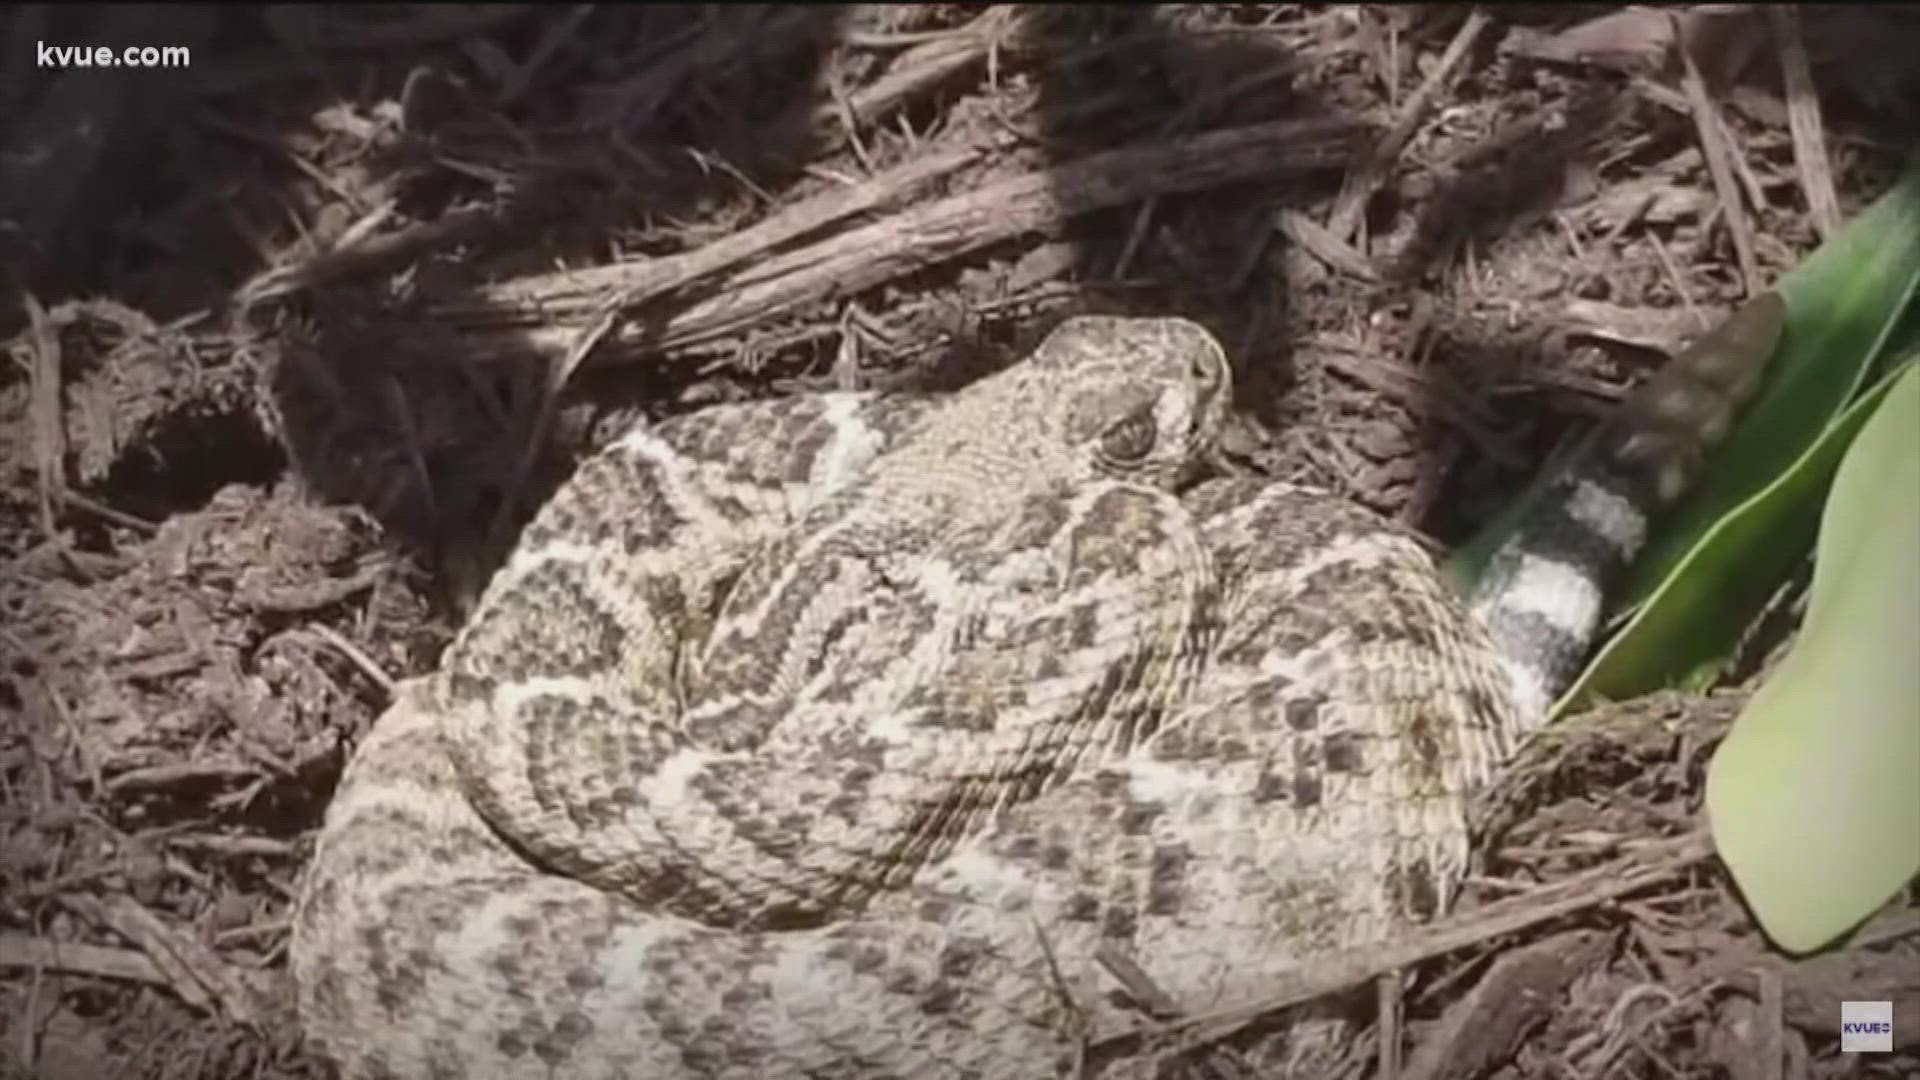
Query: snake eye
(1130, 439)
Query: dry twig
(931, 63)
(1371, 171)
(190, 969)
(78, 958)
(1654, 863)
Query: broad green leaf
(1842, 302)
(1686, 631)
(1813, 798)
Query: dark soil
(305, 330)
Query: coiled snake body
(834, 737)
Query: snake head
(1102, 398)
(1139, 399)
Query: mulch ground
(307, 329)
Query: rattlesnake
(835, 736)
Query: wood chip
(49, 427)
(1803, 120)
(928, 65)
(189, 968)
(1524, 986)
(1719, 152)
(1634, 39)
(78, 958)
(1322, 244)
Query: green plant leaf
(1813, 798)
(1687, 630)
(1843, 301)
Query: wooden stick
(1040, 201)
(582, 293)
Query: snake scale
(837, 736)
